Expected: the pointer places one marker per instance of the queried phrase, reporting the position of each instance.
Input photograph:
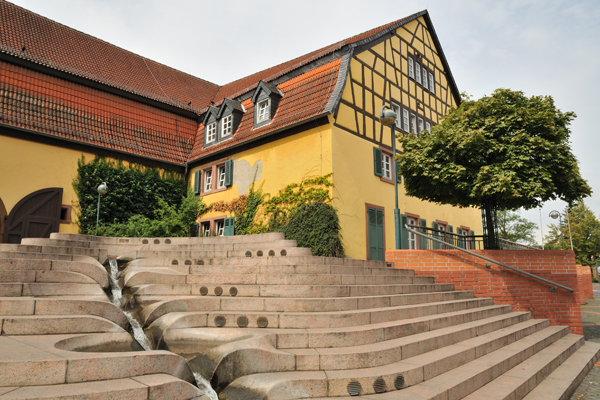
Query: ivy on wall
(132, 190)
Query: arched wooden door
(36, 215)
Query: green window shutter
(377, 161)
(229, 226)
(460, 242)
(436, 226)
(197, 182)
(228, 172)
(380, 237)
(473, 241)
(450, 237)
(375, 234)
(398, 176)
(423, 241)
(403, 232)
(195, 229)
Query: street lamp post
(102, 189)
(387, 117)
(555, 214)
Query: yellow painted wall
(26, 167)
(284, 161)
(356, 185)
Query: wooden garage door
(36, 215)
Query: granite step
(459, 380)
(55, 324)
(147, 387)
(315, 319)
(93, 270)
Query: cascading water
(117, 292)
(138, 330)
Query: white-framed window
(219, 227)
(425, 79)
(211, 132)
(207, 180)
(418, 72)
(412, 237)
(466, 243)
(405, 122)
(206, 229)
(226, 125)
(220, 176)
(386, 166)
(263, 111)
(427, 126)
(411, 68)
(413, 123)
(396, 109)
(431, 83)
(420, 125)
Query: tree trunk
(490, 222)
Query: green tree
(513, 227)
(501, 152)
(585, 233)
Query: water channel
(138, 330)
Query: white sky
(542, 47)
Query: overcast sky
(542, 47)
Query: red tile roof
(54, 45)
(305, 96)
(43, 103)
(66, 109)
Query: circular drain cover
(220, 321)
(242, 321)
(262, 322)
(271, 253)
(168, 241)
(354, 388)
(156, 241)
(233, 291)
(174, 262)
(145, 241)
(379, 385)
(188, 262)
(399, 382)
(259, 253)
(283, 253)
(218, 290)
(248, 254)
(203, 290)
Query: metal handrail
(491, 260)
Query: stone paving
(590, 314)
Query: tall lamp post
(102, 189)
(555, 214)
(387, 117)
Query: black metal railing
(447, 245)
(467, 242)
(504, 244)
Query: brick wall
(584, 277)
(467, 272)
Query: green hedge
(132, 190)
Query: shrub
(316, 226)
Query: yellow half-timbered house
(64, 94)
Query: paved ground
(590, 314)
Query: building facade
(64, 94)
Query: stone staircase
(263, 319)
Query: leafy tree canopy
(506, 150)
(585, 233)
(513, 227)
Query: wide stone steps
(147, 387)
(460, 379)
(49, 249)
(53, 269)
(50, 289)
(55, 324)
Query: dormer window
(226, 125)
(266, 99)
(211, 132)
(263, 111)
